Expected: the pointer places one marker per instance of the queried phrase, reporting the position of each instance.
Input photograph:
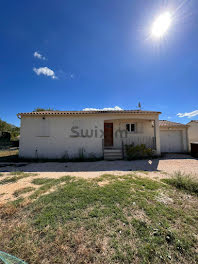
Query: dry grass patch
(8, 153)
(140, 215)
(7, 211)
(164, 198)
(15, 176)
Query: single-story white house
(97, 134)
(70, 134)
(193, 131)
(173, 137)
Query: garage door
(171, 141)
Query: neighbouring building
(193, 131)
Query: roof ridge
(56, 112)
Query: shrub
(138, 151)
(184, 182)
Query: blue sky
(96, 54)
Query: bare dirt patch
(164, 198)
(102, 183)
(139, 214)
(8, 190)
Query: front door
(108, 134)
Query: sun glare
(161, 25)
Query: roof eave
(19, 115)
(174, 126)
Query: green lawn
(111, 219)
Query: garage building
(173, 137)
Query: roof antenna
(139, 106)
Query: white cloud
(45, 71)
(189, 115)
(39, 56)
(116, 108)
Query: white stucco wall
(192, 132)
(52, 137)
(144, 130)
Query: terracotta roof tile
(193, 121)
(41, 113)
(165, 123)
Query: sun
(161, 25)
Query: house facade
(70, 134)
(193, 132)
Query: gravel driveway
(156, 169)
(169, 164)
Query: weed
(23, 190)
(183, 182)
(9, 180)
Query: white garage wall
(182, 131)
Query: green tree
(40, 109)
(6, 127)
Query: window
(130, 127)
